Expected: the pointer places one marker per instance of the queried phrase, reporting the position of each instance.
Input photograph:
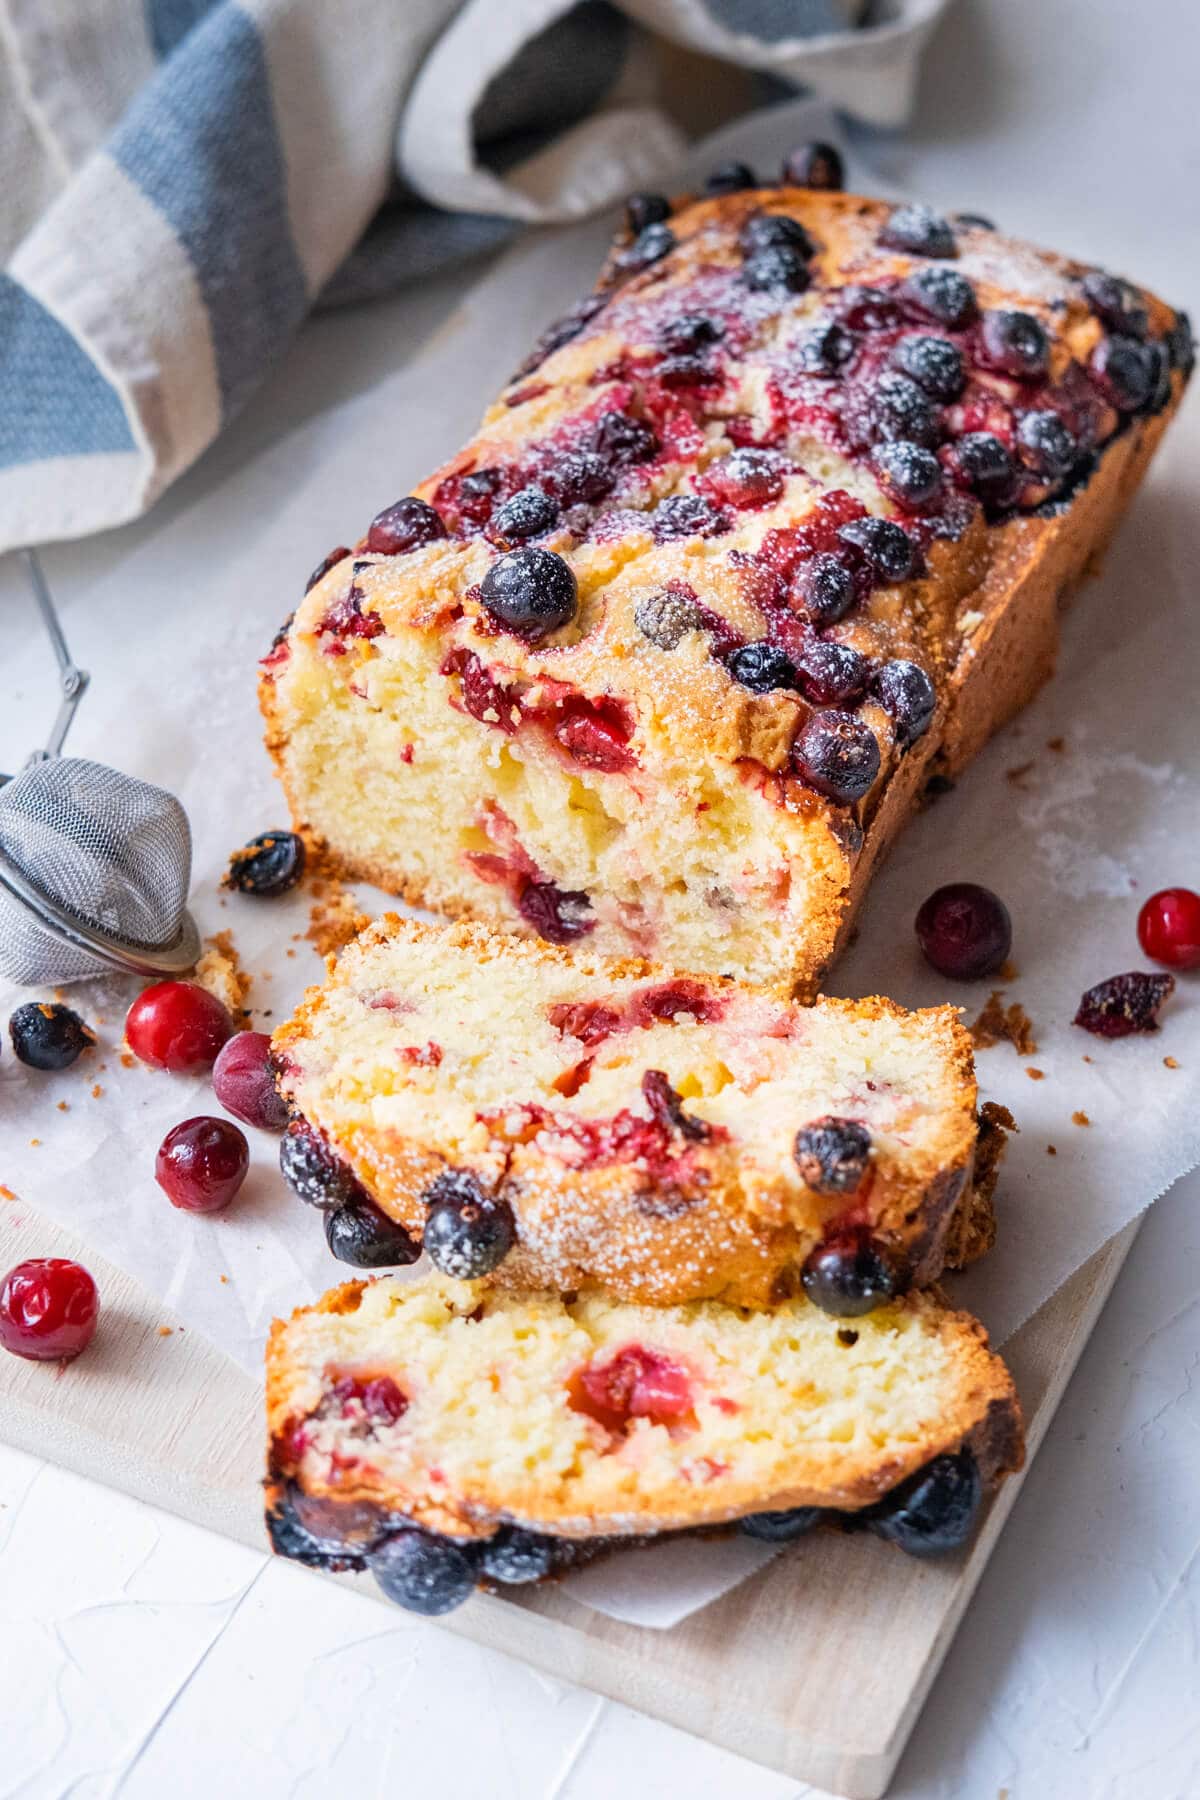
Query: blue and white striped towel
(184, 179)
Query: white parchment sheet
(1072, 837)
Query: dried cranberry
(530, 512)
(780, 268)
(747, 477)
(964, 931)
(908, 696)
(646, 209)
(178, 1026)
(687, 515)
(908, 472)
(48, 1035)
(896, 408)
(762, 230)
(815, 165)
(532, 592)
(981, 462)
(833, 1155)
(48, 1309)
(407, 525)
(1126, 371)
(1168, 928)
(934, 363)
(822, 351)
(269, 864)
(1045, 444)
(650, 245)
(558, 915)
(244, 1082)
(919, 230)
(730, 178)
(666, 1106)
(313, 1171)
(322, 569)
(1116, 303)
(623, 441)
(933, 1511)
(837, 754)
(830, 674)
(665, 616)
(1124, 1004)
(942, 294)
(890, 553)
(850, 1274)
(1014, 343)
(201, 1164)
(762, 667)
(823, 588)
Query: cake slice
(771, 532)
(519, 1433)
(562, 1120)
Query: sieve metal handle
(73, 680)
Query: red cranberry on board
(1168, 928)
(178, 1026)
(964, 931)
(244, 1082)
(201, 1164)
(48, 1309)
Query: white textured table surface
(143, 1657)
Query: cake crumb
(64, 1106)
(1009, 971)
(334, 917)
(165, 1331)
(1017, 775)
(6, 1193)
(35, 1143)
(1036, 1074)
(1056, 744)
(1050, 1150)
(1169, 1062)
(224, 1281)
(999, 1024)
(1080, 1118)
(220, 973)
(128, 1059)
(97, 1090)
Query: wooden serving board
(817, 1666)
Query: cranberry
(597, 742)
(849, 1274)
(201, 1164)
(529, 513)
(837, 754)
(780, 1527)
(689, 331)
(748, 477)
(1124, 1004)
(1168, 928)
(824, 589)
(558, 915)
(941, 294)
(532, 592)
(178, 1026)
(832, 1155)
(730, 178)
(869, 309)
(48, 1035)
(666, 1107)
(1116, 304)
(635, 1383)
(623, 441)
(468, 1232)
(896, 408)
(244, 1082)
(407, 525)
(919, 230)
(830, 674)
(934, 1510)
(780, 268)
(823, 350)
(934, 363)
(964, 931)
(515, 1556)
(687, 515)
(1045, 444)
(322, 569)
(312, 1170)
(650, 245)
(363, 1235)
(981, 462)
(269, 864)
(762, 230)
(908, 696)
(1126, 371)
(688, 372)
(48, 1309)
(665, 616)
(890, 553)
(762, 667)
(423, 1573)
(1014, 343)
(908, 472)
(646, 209)
(815, 165)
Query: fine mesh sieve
(94, 865)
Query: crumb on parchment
(220, 972)
(1080, 1118)
(1000, 1024)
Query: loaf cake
(474, 1414)
(559, 1120)
(771, 532)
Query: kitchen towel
(183, 180)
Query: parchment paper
(1073, 837)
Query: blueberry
(911, 474)
(764, 230)
(1126, 371)
(849, 1275)
(762, 667)
(646, 209)
(322, 569)
(749, 476)
(578, 476)
(686, 515)
(515, 1556)
(906, 693)
(814, 165)
(290, 1538)
(48, 1035)
(983, 463)
(934, 363)
(778, 268)
(941, 294)
(312, 1170)
(1180, 344)
(405, 526)
(528, 513)
(532, 592)
(919, 230)
(467, 1233)
(362, 1235)
(623, 441)
(650, 245)
(979, 221)
(665, 616)
(890, 553)
(1014, 343)
(824, 588)
(822, 351)
(730, 178)
(837, 754)
(780, 1527)
(898, 409)
(558, 915)
(832, 1155)
(1116, 304)
(934, 1510)
(269, 864)
(690, 331)
(1045, 444)
(424, 1574)
(830, 674)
